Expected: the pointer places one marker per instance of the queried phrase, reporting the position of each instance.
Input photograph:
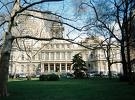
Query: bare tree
(9, 37)
(108, 45)
(15, 28)
(113, 15)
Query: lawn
(70, 90)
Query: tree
(115, 17)
(9, 23)
(79, 66)
(16, 9)
(108, 45)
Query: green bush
(43, 77)
(49, 77)
(124, 78)
(79, 74)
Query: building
(97, 56)
(132, 43)
(43, 57)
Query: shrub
(133, 76)
(53, 77)
(43, 77)
(80, 74)
(49, 77)
(123, 78)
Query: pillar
(66, 67)
(60, 67)
(42, 67)
(54, 55)
(48, 55)
(48, 67)
(54, 67)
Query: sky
(64, 8)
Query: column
(60, 55)
(54, 55)
(49, 58)
(66, 67)
(60, 67)
(65, 55)
(54, 67)
(71, 67)
(48, 67)
(42, 67)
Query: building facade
(55, 56)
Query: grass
(70, 90)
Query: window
(57, 55)
(68, 68)
(47, 56)
(33, 57)
(62, 46)
(52, 55)
(51, 46)
(46, 67)
(68, 55)
(22, 68)
(92, 55)
(68, 46)
(57, 45)
(47, 46)
(62, 67)
(42, 55)
(51, 67)
(39, 56)
(62, 55)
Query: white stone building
(55, 56)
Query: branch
(91, 5)
(49, 12)
(18, 44)
(54, 38)
(3, 23)
(26, 50)
(52, 21)
(105, 26)
(32, 4)
(5, 5)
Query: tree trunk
(124, 62)
(129, 63)
(4, 63)
(109, 70)
(108, 59)
(109, 63)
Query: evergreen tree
(79, 66)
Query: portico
(52, 67)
